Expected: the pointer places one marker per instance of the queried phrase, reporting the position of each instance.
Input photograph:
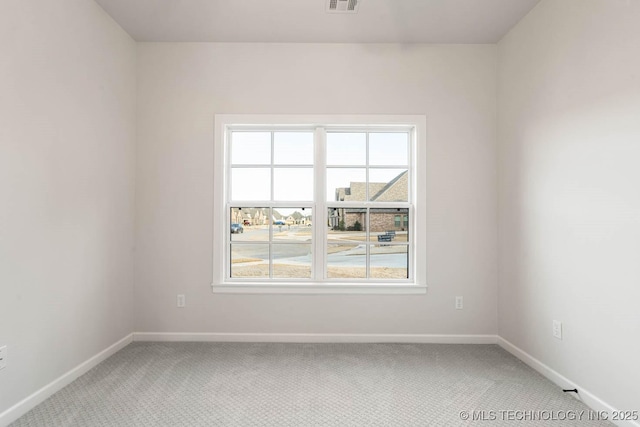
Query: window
(318, 205)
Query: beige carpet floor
(256, 384)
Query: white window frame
(416, 284)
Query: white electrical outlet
(459, 303)
(3, 357)
(181, 300)
(557, 329)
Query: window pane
(275, 167)
(389, 149)
(250, 184)
(389, 225)
(346, 184)
(293, 184)
(249, 224)
(348, 225)
(388, 185)
(250, 148)
(292, 261)
(346, 261)
(293, 148)
(346, 148)
(250, 260)
(388, 261)
(292, 225)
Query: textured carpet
(247, 384)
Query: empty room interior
(319, 212)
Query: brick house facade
(381, 219)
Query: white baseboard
(28, 403)
(314, 338)
(589, 399)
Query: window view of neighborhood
(368, 241)
(348, 238)
(291, 242)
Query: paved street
(297, 250)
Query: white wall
(182, 86)
(569, 152)
(67, 146)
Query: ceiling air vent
(343, 6)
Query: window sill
(325, 288)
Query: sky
(389, 149)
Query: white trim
(313, 338)
(416, 125)
(296, 288)
(31, 401)
(585, 396)
(378, 121)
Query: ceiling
(305, 21)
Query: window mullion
(367, 232)
(227, 207)
(270, 221)
(320, 204)
(368, 243)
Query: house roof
(390, 185)
(394, 190)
